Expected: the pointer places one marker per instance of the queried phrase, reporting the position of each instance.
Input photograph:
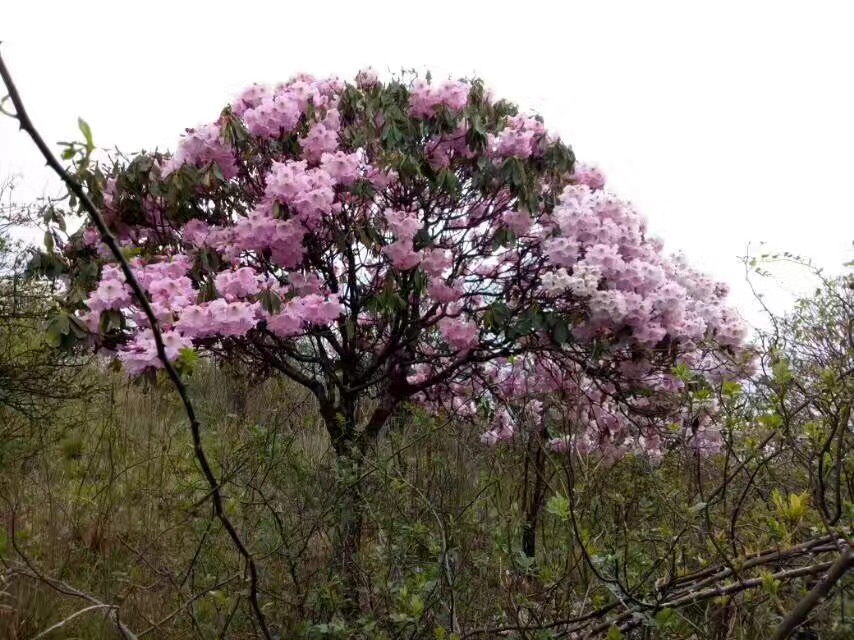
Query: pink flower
(503, 429)
(454, 95)
(194, 321)
(251, 98)
(556, 282)
(560, 445)
(141, 353)
(232, 318)
(273, 116)
(444, 293)
(561, 252)
(173, 293)
(91, 237)
(459, 334)
(367, 78)
(343, 167)
(237, 284)
(201, 147)
(403, 225)
(436, 261)
(320, 139)
(300, 312)
(521, 138)
(519, 222)
(425, 99)
(309, 191)
(589, 175)
(402, 255)
(110, 294)
(316, 309)
(382, 179)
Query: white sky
(726, 122)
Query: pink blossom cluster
(444, 149)
(271, 113)
(367, 78)
(503, 428)
(238, 283)
(298, 313)
(425, 99)
(111, 293)
(603, 255)
(218, 318)
(459, 333)
(141, 353)
(201, 147)
(403, 228)
(545, 393)
(519, 222)
(590, 175)
(523, 137)
(308, 192)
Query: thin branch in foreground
(29, 571)
(23, 118)
(65, 621)
(634, 617)
(816, 595)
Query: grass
(107, 497)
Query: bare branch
(75, 187)
(816, 595)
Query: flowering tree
(382, 243)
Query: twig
(57, 585)
(74, 186)
(816, 594)
(630, 619)
(184, 606)
(62, 623)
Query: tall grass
(106, 497)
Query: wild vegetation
(433, 381)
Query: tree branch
(816, 595)
(86, 202)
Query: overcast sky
(726, 124)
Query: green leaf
(731, 388)
(558, 506)
(782, 373)
(496, 315)
(448, 181)
(614, 634)
(503, 237)
(416, 605)
(665, 618)
(698, 507)
(683, 372)
(187, 359)
(86, 130)
(77, 329)
(110, 319)
(560, 332)
(57, 327)
(270, 301)
(770, 584)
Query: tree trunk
(537, 465)
(350, 446)
(351, 515)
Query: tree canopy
(405, 241)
